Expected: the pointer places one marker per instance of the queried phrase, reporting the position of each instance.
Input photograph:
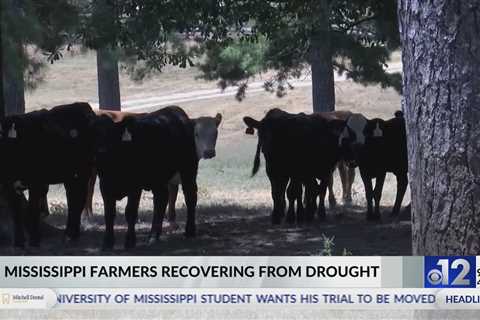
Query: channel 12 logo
(450, 272)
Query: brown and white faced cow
(377, 146)
(206, 133)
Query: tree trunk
(14, 92)
(108, 80)
(323, 85)
(441, 66)
(13, 85)
(2, 100)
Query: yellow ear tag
(12, 133)
(127, 136)
(73, 133)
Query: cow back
(143, 151)
(298, 144)
(48, 146)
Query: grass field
(233, 208)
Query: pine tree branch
(360, 21)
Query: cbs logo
(446, 272)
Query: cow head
(206, 132)
(103, 128)
(252, 124)
(358, 133)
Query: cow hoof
(152, 240)
(322, 217)
(348, 202)
(108, 244)
(394, 214)
(373, 217)
(34, 244)
(72, 235)
(276, 220)
(69, 238)
(332, 202)
(171, 226)
(130, 245)
(130, 242)
(190, 234)
(290, 219)
(19, 246)
(309, 218)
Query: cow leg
(377, 193)
(172, 200)
(350, 180)
(76, 191)
(402, 183)
(346, 178)
(43, 206)
(160, 200)
(300, 209)
(189, 187)
(278, 195)
(36, 193)
(321, 203)
(15, 200)
(292, 195)
(331, 195)
(110, 211)
(367, 183)
(311, 193)
(131, 215)
(88, 207)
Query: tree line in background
(233, 41)
(230, 41)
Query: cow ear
(218, 119)
(344, 135)
(251, 125)
(12, 133)
(337, 127)
(126, 136)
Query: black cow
(41, 148)
(377, 147)
(143, 153)
(300, 148)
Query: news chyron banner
(243, 282)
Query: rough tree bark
(13, 84)
(323, 85)
(2, 100)
(441, 66)
(14, 91)
(108, 80)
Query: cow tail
(256, 161)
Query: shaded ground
(234, 230)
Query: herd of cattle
(71, 144)
(300, 149)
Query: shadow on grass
(238, 230)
